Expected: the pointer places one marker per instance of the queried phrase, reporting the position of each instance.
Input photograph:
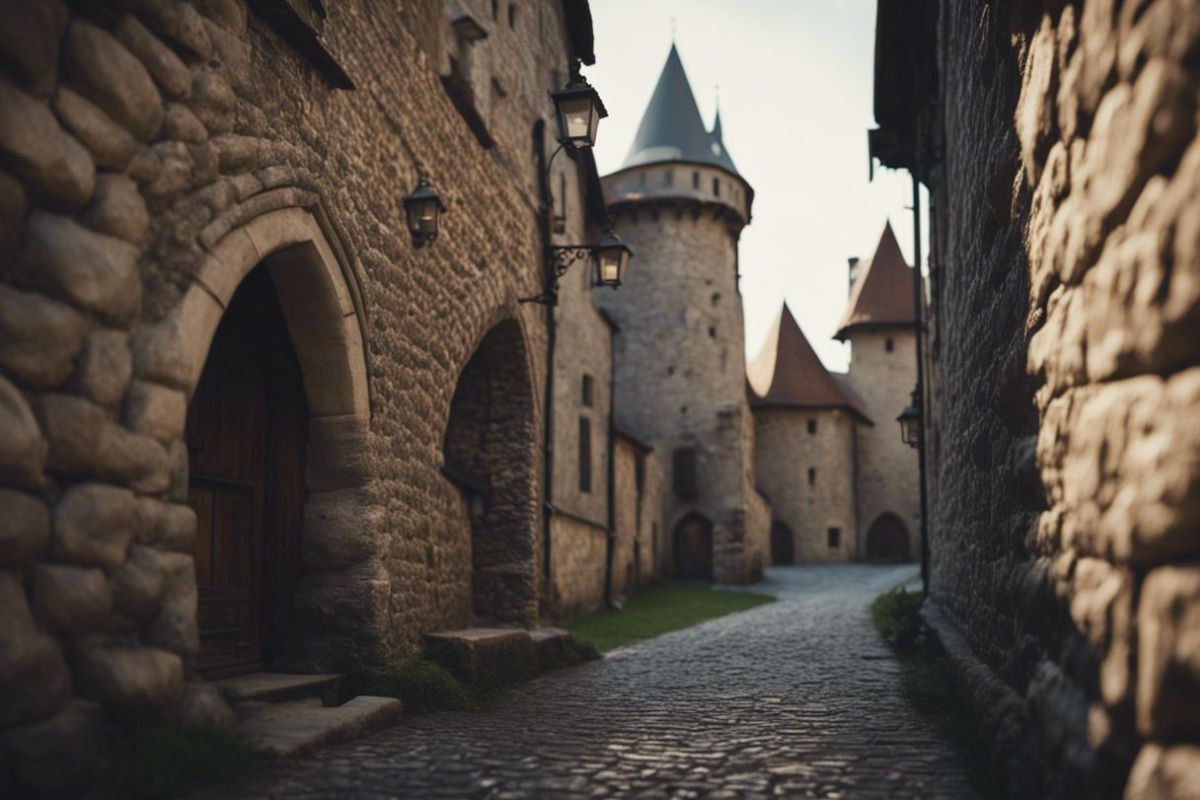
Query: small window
(712, 331)
(669, 177)
(834, 536)
(585, 455)
(639, 472)
(496, 14)
(683, 473)
(695, 180)
(716, 187)
(512, 15)
(889, 345)
(812, 426)
(812, 475)
(589, 390)
(642, 179)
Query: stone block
(137, 587)
(39, 337)
(25, 534)
(155, 410)
(72, 426)
(93, 525)
(168, 71)
(339, 529)
(29, 41)
(33, 676)
(177, 528)
(58, 174)
(1101, 604)
(105, 367)
(237, 153)
(113, 78)
(490, 656)
(128, 677)
(118, 209)
(338, 454)
(213, 102)
(160, 353)
(125, 457)
(13, 205)
(110, 144)
(1168, 659)
(175, 21)
(201, 705)
(183, 126)
(1035, 115)
(229, 14)
(175, 171)
(174, 627)
(69, 600)
(58, 757)
(1161, 772)
(179, 487)
(23, 451)
(90, 270)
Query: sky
(795, 83)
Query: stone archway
(489, 454)
(693, 540)
(887, 539)
(340, 608)
(783, 544)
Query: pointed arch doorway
(693, 542)
(887, 539)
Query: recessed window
(512, 15)
(716, 187)
(812, 426)
(834, 536)
(812, 475)
(695, 180)
(589, 390)
(585, 455)
(889, 345)
(642, 179)
(712, 332)
(683, 472)
(496, 14)
(669, 177)
(715, 299)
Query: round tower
(680, 204)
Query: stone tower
(878, 324)
(681, 204)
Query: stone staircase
(499, 655)
(286, 715)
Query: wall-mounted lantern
(578, 109)
(612, 258)
(910, 421)
(609, 260)
(423, 208)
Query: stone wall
(1066, 391)
(152, 152)
(579, 551)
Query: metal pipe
(920, 391)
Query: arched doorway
(694, 547)
(246, 438)
(783, 544)
(489, 455)
(887, 539)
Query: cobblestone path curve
(797, 698)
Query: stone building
(1059, 144)
(245, 422)
(681, 204)
(841, 483)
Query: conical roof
(672, 128)
(883, 292)
(788, 373)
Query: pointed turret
(882, 295)
(717, 144)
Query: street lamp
(423, 207)
(910, 421)
(579, 110)
(609, 259)
(612, 257)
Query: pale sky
(795, 81)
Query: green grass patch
(929, 684)
(661, 608)
(421, 684)
(156, 759)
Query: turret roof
(883, 292)
(672, 128)
(787, 373)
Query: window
(834, 536)
(642, 179)
(683, 472)
(669, 177)
(812, 426)
(712, 331)
(496, 13)
(695, 180)
(512, 15)
(889, 345)
(589, 390)
(812, 475)
(585, 454)
(716, 187)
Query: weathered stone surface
(29, 41)
(200, 704)
(174, 627)
(229, 14)
(159, 353)
(58, 173)
(72, 426)
(69, 600)
(178, 22)
(22, 448)
(92, 271)
(1102, 607)
(178, 455)
(105, 366)
(110, 145)
(118, 209)
(213, 101)
(25, 534)
(13, 205)
(126, 457)
(336, 532)
(128, 677)
(112, 78)
(237, 153)
(178, 528)
(1168, 662)
(156, 411)
(182, 125)
(34, 682)
(1035, 111)
(93, 525)
(58, 757)
(39, 338)
(137, 587)
(1165, 773)
(176, 171)
(168, 71)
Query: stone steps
(498, 655)
(278, 686)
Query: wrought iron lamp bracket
(558, 260)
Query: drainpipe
(543, 218)
(919, 329)
(611, 543)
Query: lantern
(424, 209)
(612, 257)
(910, 422)
(579, 110)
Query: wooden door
(246, 439)
(693, 548)
(887, 539)
(783, 550)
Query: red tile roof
(787, 373)
(883, 293)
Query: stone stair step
(295, 727)
(478, 655)
(277, 686)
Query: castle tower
(680, 203)
(878, 323)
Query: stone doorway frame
(343, 601)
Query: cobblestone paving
(797, 698)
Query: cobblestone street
(795, 698)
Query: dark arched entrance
(246, 438)
(488, 453)
(887, 539)
(694, 547)
(783, 544)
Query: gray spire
(672, 129)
